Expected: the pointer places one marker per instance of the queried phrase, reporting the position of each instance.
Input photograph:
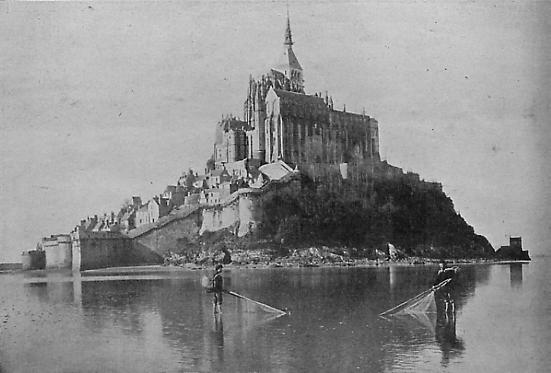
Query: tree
(189, 178)
(126, 204)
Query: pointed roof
(288, 35)
(288, 59)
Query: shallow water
(164, 322)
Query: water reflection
(445, 333)
(515, 273)
(334, 324)
(392, 274)
(218, 342)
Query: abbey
(283, 123)
(293, 169)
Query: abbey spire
(288, 64)
(288, 35)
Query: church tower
(287, 71)
(286, 75)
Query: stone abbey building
(282, 122)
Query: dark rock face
(416, 216)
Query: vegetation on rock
(415, 216)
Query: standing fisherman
(217, 289)
(444, 294)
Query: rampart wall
(241, 213)
(171, 235)
(58, 251)
(92, 250)
(34, 259)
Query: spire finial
(288, 36)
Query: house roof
(170, 188)
(127, 215)
(299, 98)
(276, 171)
(219, 172)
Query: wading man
(217, 289)
(443, 296)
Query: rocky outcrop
(296, 212)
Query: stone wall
(92, 250)
(34, 259)
(304, 129)
(241, 214)
(58, 251)
(220, 217)
(170, 235)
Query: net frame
(419, 303)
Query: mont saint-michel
(274, 186)
(292, 176)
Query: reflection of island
(515, 271)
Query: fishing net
(251, 305)
(421, 303)
(245, 304)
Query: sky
(100, 101)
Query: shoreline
(362, 263)
(275, 264)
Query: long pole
(254, 301)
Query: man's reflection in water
(218, 337)
(444, 330)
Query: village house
(175, 195)
(217, 177)
(211, 196)
(192, 199)
(152, 211)
(200, 182)
(127, 220)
